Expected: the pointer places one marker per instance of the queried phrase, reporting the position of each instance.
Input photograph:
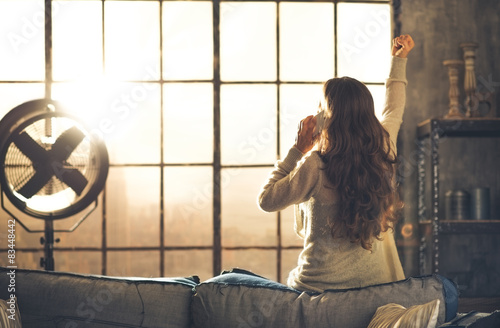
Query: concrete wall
(438, 27)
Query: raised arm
(395, 97)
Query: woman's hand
(402, 45)
(305, 140)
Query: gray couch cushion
(54, 299)
(243, 301)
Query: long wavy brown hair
(359, 163)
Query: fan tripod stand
(47, 262)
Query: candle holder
(469, 49)
(453, 66)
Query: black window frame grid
(217, 247)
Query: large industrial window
(195, 100)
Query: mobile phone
(320, 123)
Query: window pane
(132, 39)
(306, 41)
(296, 102)
(77, 45)
(132, 205)
(188, 206)
(23, 237)
(88, 234)
(133, 125)
(134, 264)
(22, 45)
(76, 261)
(378, 94)
(125, 115)
(187, 40)
(25, 260)
(13, 95)
(261, 262)
(189, 263)
(364, 42)
(248, 124)
(248, 41)
(188, 123)
(87, 100)
(243, 223)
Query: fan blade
(74, 179)
(66, 143)
(37, 182)
(30, 148)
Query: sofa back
(66, 300)
(244, 300)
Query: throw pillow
(395, 315)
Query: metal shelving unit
(432, 130)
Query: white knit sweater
(327, 262)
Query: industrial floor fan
(52, 167)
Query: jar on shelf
(480, 204)
(457, 205)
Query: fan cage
(55, 200)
